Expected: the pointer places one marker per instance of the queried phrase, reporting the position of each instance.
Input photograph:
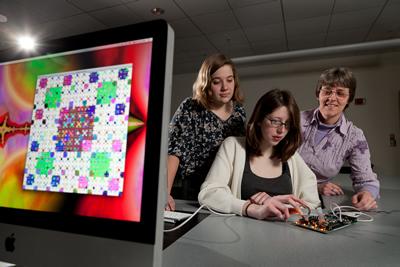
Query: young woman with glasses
(261, 175)
(329, 140)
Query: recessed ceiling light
(157, 11)
(26, 42)
(3, 19)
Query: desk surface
(239, 241)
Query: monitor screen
(83, 148)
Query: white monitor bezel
(31, 227)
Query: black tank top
(252, 183)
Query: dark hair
(202, 85)
(338, 76)
(266, 105)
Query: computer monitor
(83, 138)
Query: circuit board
(325, 223)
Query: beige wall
(378, 79)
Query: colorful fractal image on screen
(72, 132)
(78, 134)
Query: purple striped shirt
(345, 143)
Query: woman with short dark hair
(330, 139)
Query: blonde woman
(200, 124)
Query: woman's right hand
(276, 207)
(330, 189)
(170, 203)
(259, 198)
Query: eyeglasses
(278, 123)
(326, 92)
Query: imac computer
(83, 138)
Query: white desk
(239, 241)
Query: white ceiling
(237, 28)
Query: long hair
(202, 85)
(266, 105)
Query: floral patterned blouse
(196, 133)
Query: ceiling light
(3, 19)
(26, 42)
(157, 11)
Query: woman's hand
(330, 189)
(364, 201)
(170, 203)
(259, 198)
(276, 207)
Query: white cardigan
(221, 189)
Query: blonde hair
(202, 85)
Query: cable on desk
(194, 213)
(385, 211)
(218, 213)
(350, 211)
